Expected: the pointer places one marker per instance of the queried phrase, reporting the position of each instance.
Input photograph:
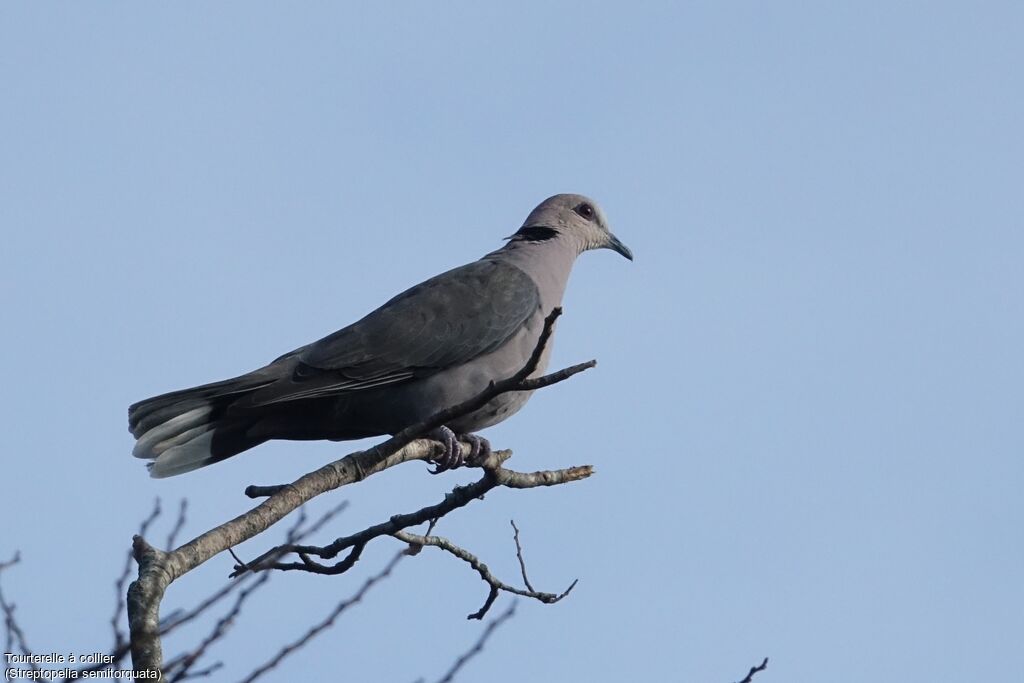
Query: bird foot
(451, 457)
(480, 448)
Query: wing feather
(446, 321)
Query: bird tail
(188, 429)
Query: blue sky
(806, 415)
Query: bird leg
(480, 448)
(451, 457)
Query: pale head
(575, 218)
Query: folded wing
(446, 321)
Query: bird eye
(585, 210)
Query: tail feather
(145, 415)
(188, 429)
(202, 447)
(184, 457)
(163, 435)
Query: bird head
(573, 217)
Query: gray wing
(446, 321)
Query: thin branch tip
(755, 670)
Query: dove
(434, 345)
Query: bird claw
(451, 457)
(480, 448)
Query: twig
(181, 666)
(326, 622)
(14, 634)
(295, 533)
(180, 617)
(179, 524)
(519, 554)
(494, 475)
(298, 533)
(755, 669)
(11, 562)
(458, 497)
(478, 646)
(122, 580)
(473, 561)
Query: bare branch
(11, 562)
(327, 622)
(180, 667)
(519, 554)
(172, 537)
(473, 561)
(458, 497)
(120, 641)
(179, 618)
(478, 646)
(296, 533)
(754, 670)
(14, 635)
(555, 377)
(158, 569)
(153, 515)
(494, 475)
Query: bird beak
(615, 245)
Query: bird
(432, 346)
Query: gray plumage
(430, 347)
